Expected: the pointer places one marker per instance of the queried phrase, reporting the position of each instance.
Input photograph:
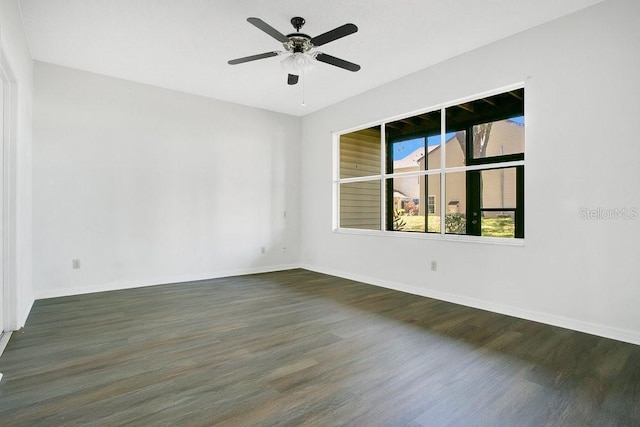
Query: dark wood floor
(298, 347)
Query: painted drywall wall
(18, 66)
(582, 90)
(144, 185)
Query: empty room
(416, 213)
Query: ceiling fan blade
(332, 60)
(334, 34)
(253, 58)
(292, 79)
(268, 29)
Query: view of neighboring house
(407, 191)
(498, 185)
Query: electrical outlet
(434, 265)
(263, 249)
(75, 264)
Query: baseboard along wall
(605, 331)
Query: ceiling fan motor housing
(298, 42)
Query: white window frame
(442, 171)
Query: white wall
(582, 91)
(16, 61)
(146, 185)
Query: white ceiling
(185, 44)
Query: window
(360, 196)
(454, 170)
(431, 204)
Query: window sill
(434, 236)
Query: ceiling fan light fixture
(297, 63)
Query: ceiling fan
(299, 46)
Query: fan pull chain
(303, 80)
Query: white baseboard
(130, 284)
(22, 319)
(4, 340)
(605, 331)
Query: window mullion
(336, 182)
(443, 164)
(383, 178)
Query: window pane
(415, 203)
(456, 196)
(498, 224)
(498, 188)
(433, 203)
(408, 155)
(496, 124)
(408, 203)
(360, 153)
(360, 205)
(413, 143)
(498, 138)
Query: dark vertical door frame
(474, 203)
(388, 183)
(474, 188)
(519, 226)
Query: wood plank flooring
(301, 348)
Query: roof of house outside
(412, 159)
